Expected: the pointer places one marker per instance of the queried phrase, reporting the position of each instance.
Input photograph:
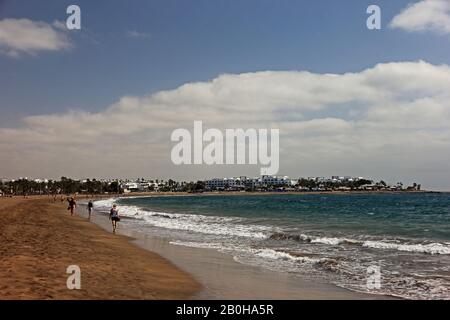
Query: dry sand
(39, 240)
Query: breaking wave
(239, 227)
(429, 248)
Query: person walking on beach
(114, 217)
(89, 207)
(72, 205)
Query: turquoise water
(424, 216)
(332, 238)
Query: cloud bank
(426, 15)
(389, 121)
(26, 36)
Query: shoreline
(39, 240)
(36, 267)
(221, 277)
(212, 193)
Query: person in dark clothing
(72, 205)
(90, 206)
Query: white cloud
(27, 36)
(389, 121)
(426, 15)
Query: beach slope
(39, 240)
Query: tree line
(63, 186)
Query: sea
(395, 244)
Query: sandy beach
(39, 240)
(224, 153)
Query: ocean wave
(396, 244)
(347, 273)
(264, 253)
(330, 241)
(284, 255)
(286, 236)
(237, 227)
(206, 225)
(213, 225)
(431, 248)
(404, 286)
(104, 204)
(311, 239)
(339, 259)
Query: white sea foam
(431, 248)
(214, 225)
(104, 204)
(264, 253)
(330, 241)
(206, 224)
(280, 255)
(394, 244)
(201, 245)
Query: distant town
(25, 186)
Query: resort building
(131, 187)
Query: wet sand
(39, 240)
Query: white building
(275, 181)
(222, 183)
(132, 187)
(243, 182)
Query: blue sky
(195, 40)
(81, 103)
